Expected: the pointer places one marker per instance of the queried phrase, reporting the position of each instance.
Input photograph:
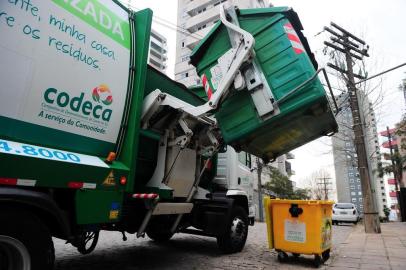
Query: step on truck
(92, 138)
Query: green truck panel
(304, 115)
(98, 206)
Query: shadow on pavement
(143, 255)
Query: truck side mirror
(223, 149)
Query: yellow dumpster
(299, 227)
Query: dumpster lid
(300, 202)
(288, 12)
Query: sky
(380, 23)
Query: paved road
(182, 252)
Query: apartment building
(158, 51)
(348, 181)
(390, 179)
(195, 19)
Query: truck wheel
(25, 242)
(162, 236)
(237, 231)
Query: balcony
(193, 6)
(394, 143)
(393, 194)
(391, 181)
(202, 18)
(157, 61)
(385, 132)
(193, 39)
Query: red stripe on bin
(8, 181)
(294, 38)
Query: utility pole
(326, 188)
(350, 46)
(259, 188)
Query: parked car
(345, 213)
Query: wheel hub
(13, 254)
(237, 229)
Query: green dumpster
(283, 54)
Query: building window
(382, 188)
(358, 180)
(351, 180)
(184, 75)
(183, 44)
(383, 194)
(384, 200)
(352, 193)
(359, 186)
(352, 187)
(360, 193)
(350, 174)
(354, 200)
(360, 199)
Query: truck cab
(235, 173)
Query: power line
(167, 24)
(381, 73)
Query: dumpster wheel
(282, 256)
(326, 255)
(317, 261)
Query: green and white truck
(92, 138)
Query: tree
(301, 194)
(319, 184)
(282, 186)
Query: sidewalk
(373, 251)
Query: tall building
(345, 157)
(195, 19)
(395, 142)
(158, 50)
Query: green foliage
(386, 211)
(282, 185)
(301, 194)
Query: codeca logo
(102, 94)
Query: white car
(345, 213)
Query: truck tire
(237, 231)
(25, 242)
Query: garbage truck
(92, 138)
